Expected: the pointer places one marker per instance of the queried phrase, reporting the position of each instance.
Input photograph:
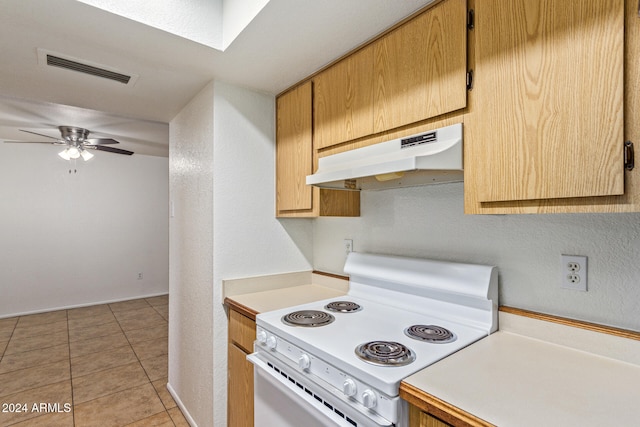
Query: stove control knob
(349, 387)
(369, 399)
(262, 337)
(304, 362)
(272, 342)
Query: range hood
(426, 158)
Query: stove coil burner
(430, 333)
(343, 306)
(308, 318)
(385, 353)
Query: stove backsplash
(428, 222)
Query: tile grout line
(73, 404)
(161, 315)
(102, 370)
(163, 404)
(142, 366)
(29, 367)
(115, 392)
(102, 336)
(10, 337)
(69, 358)
(154, 388)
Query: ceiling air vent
(54, 59)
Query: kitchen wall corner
(248, 239)
(191, 257)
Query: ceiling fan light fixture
(73, 152)
(86, 155)
(65, 154)
(76, 142)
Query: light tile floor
(107, 363)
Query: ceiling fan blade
(39, 134)
(36, 142)
(110, 149)
(100, 141)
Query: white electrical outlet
(139, 276)
(348, 246)
(574, 272)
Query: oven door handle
(278, 380)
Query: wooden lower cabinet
(240, 388)
(428, 410)
(240, 370)
(418, 418)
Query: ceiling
(287, 41)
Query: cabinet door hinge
(471, 19)
(469, 79)
(629, 162)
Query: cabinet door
(240, 389)
(343, 100)
(548, 97)
(294, 150)
(295, 159)
(242, 331)
(421, 67)
(418, 418)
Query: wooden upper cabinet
(548, 120)
(296, 158)
(420, 67)
(294, 150)
(415, 72)
(343, 100)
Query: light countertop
(264, 301)
(513, 379)
(262, 294)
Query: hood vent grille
(56, 61)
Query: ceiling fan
(78, 143)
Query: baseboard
(68, 307)
(186, 414)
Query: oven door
(284, 397)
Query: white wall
(248, 239)
(429, 222)
(191, 257)
(80, 238)
(222, 173)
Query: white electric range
(339, 362)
